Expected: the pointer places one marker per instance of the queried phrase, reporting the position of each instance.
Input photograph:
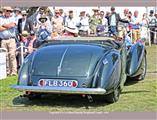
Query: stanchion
(21, 48)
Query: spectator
(144, 23)
(28, 40)
(24, 24)
(49, 13)
(44, 28)
(135, 24)
(24, 40)
(83, 24)
(104, 21)
(107, 15)
(57, 22)
(64, 18)
(130, 18)
(94, 21)
(18, 14)
(70, 21)
(125, 17)
(61, 12)
(32, 42)
(7, 35)
(39, 14)
(151, 25)
(126, 12)
(114, 19)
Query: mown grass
(136, 96)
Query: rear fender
(108, 74)
(134, 59)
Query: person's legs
(4, 44)
(12, 57)
(134, 35)
(138, 34)
(113, 30)
(152, 30)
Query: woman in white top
(144, 27)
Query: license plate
(58, 83)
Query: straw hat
(25, 33)
(43, 18)
(95, 10)
(7, 8)
(24, 12)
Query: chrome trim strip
(47, 89)
(60, 65)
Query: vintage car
(82, 65)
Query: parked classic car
(85, 66)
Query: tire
(142, 76)
(114, 96)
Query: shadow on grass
(74, 101)
(130, 81)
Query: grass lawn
(136, 96)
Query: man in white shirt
(83, 24)
(70, 21)
(104, 21)
(135, 22)
(7, 35)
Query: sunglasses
(24, 15)
(8, 11)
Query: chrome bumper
(96, 91)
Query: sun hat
(43, 18)
(95, 10)
(7, 8)
(25, 33)
(23, 12)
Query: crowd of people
(16, 27)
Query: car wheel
(114, 96)
(144, 64)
